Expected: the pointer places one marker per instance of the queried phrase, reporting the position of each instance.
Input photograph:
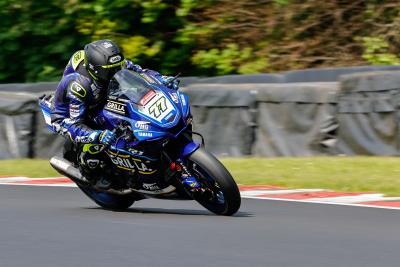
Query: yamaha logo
(115, 59)
(107, 44)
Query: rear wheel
(219, 193)
(107, 200)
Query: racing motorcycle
(154, 154)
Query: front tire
(222, 196)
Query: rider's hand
(170, 82)
(106, 137)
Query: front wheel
(219, 193)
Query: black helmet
(103, 59)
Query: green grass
(373, 174)
(27, 167)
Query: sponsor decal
(115, 107)
(174, 97)
(183, 100)
(96, 91)
(135, 151)
(86, 139)
(127, 163)
(77, 58)
(159, 107)
(151, 187)
(93, 163)
(107, 44)
(166, 190)
(78, 90)
(168, 116)
(115, 59)
(148, 78)
(92, 148)
(73, 113)
(145, 134)
(147, 97)
(142, 125)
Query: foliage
(229, 59)
(199, 37)
(377, 52)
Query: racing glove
(106, 137)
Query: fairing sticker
(159, 108)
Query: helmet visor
(106, 72)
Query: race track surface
(57, 227)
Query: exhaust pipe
(66, 168)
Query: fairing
(152, 110)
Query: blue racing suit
(79, 98)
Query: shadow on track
(173, 212)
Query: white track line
(355, 199)
(252, 193)
(14, 179)
(325, 203)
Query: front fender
(189, 148)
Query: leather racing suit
(79, 98)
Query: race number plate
(159, 108)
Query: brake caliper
(185, 176)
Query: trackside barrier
(243, 115)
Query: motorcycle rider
(82, 93)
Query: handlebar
(173, 79)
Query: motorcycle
(154, 154)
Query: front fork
(176, 152)
(186, 177)
(177, 169)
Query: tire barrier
(357, 115)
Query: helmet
(103, 58)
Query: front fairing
(153, 111)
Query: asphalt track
(57, 227)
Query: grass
(351, 174)
(367, 174)
(27, 167)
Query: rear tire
(107, 200)
(212, 174)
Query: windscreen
(129, 84)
